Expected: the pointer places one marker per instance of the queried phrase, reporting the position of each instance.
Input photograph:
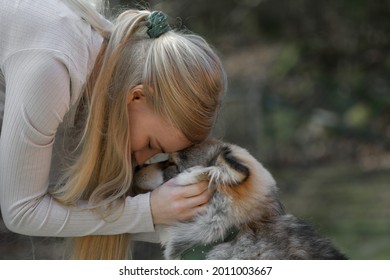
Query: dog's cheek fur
(254, 197)
(206, 228)
(249, 202)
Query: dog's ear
(229, 169)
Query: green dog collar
(199, 252)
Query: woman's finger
(194, 190)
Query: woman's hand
(171, 203)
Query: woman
(149, 90)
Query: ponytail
(91, 11)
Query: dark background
(309, 97)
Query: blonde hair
(183, 81)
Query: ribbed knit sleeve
(46, 53)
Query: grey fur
(244, 196)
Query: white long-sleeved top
(46, 53)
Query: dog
(244, 218)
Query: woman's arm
(37, 98)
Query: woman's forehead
(171, 141)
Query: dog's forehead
(199, 154)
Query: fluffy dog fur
(244, 196)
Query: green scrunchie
(157, 24)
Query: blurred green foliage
(345, 203)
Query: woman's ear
(136, 94)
